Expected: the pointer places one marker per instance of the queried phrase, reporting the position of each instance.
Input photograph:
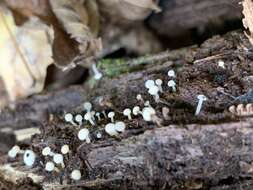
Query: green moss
(113, 67)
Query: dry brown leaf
(128, 9)
(248, 18)
(81, 24)
(25, 54)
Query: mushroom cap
(202, 97)
(171, 83)
(97, 114)
(68, 117)
(76, 175)
(65, 149)
(139, 97)
(111, 114)
(110, 129)
(14, 151)
(46, 151)
(83, 134)
(147, 113)
(120, 126)
(171, 73)
(126, 112)
(58, 158)
(49, 166)
(136, 110)
(79, 118)
(87, 106)
(159, 82)
(29, 158)
(153, 90)
(99, 135)
(149, 83)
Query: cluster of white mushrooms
(93, 118)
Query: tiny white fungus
(110, 129)
(88, 117)
(111, 116)
(172, 85)
(29, 158)
(136, 110)
(201, 99)
(99, 135)
(159, 83)
(221, 64)
(14, 151)
(127, 112)
(76, 175)
(87, 106)
(65, 149)
(149, 84)
(46, 151)
(58, 158)
(98, 116)
(79, 119)
(69, 118)
(97, 75)
(49, 166)
(83, 134)
(171, 73)
(147, 113)
(154, 90)
(120, 126)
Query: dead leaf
(82, 25)
(25, 54)
(128, 9)
(248, 18)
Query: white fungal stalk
(201, 99)
(98, 116)
(88, 117)
(97, 75)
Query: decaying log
(178, 150)
(195, 17)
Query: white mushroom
(120, 126)
(83, 134)
(87, 106)
(99, 135)
(154, 90)
(221, 64)
(69, 118)
(29, 158)
(139, 98)
(76, 175)
(127, 112)
(65, 149)
(172, 85)
(149, 84)
(88, 117)
(79, 119)
(49, 166)
(98, 116)
(110, 129)
(171, 73)
(111, 116)
(58, 159)
(147, 113)
(97, 75)
(136, 110)
(46, 151)
(14, 151)
(159, 83)
(201, 99)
